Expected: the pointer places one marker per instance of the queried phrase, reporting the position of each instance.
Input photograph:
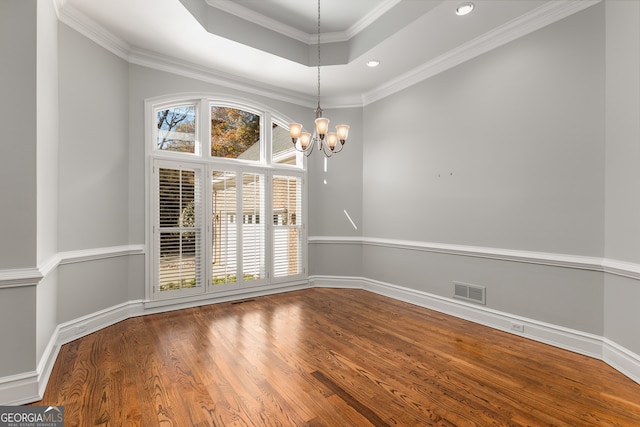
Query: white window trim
(203, 101)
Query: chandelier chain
(329, 142)
(318, 53)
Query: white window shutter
(224, 227)
(287, 226)
(179, 229)
(253, 226)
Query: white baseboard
(579, 342)
(29, 387)
(85, 325)
(621, 359)
(19, 389)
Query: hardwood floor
(329, 357)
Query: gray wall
(330, 194)
(622, 214)
(18, 109)
(94, 174)
(556, 295)
(94, 144)
(18, 330)
(622, 224)
(18, 244)
(343, 188)
(505, 151)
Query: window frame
(151, 129)
(187, 103)
(250, 109)
(203, 159)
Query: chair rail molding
(20, 277)
(615, 267)
(32, 276)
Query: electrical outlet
(518, 327)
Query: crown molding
(58, 5)
(89, 28)
(536, 19)
(182, 68)
(369, 19)
(84, 25)
(296, 34)
(262, 20)
(179, 67)
(545, 15)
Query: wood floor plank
(329, 357)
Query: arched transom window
(226, 198)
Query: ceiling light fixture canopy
(329, 142)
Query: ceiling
(270, 45)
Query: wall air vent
(471, 293)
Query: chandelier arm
(326, 150)
(306, 152)
(338, 148)
(309, 150)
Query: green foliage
(191, 283)
(184, 283)
(230, 278)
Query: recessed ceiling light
(373, 63)
(464, 9)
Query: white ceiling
(339, 16)
(270, 44)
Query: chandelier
(329, 142)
